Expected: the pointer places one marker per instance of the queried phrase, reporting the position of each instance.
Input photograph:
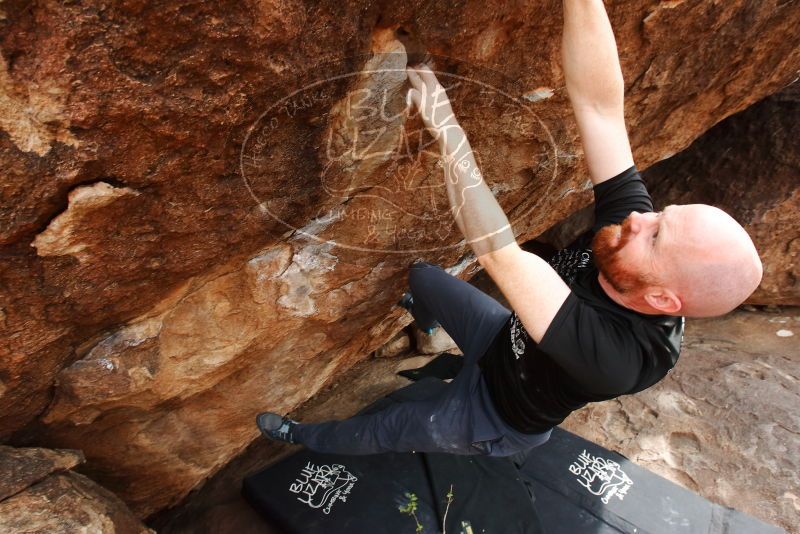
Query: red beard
(607, 259)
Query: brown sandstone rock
(38, 494)
(399, 344)
(146, 278)
(26, 466)
(66, 503)
(436, 342)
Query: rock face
(434, 343)
(38, 494)
(399, 344)
(724, 422)
(22, 468)
(748, 165)
(187, 239)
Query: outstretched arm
(595, 87)
(475, 209)
(532, 287)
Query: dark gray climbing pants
(461, 419)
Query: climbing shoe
(407, 302)
(273, 426)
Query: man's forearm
(478, 214)
(590, 61)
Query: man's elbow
(602, 105)
(490, 260)
(605, 95)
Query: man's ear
(663, 299)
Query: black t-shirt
(594, 349)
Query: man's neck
(631, 302)
(612, 293)
(615, 295)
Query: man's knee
(421, 264)
(419, 268)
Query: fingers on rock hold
(427, 76)
(413, 77)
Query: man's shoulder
(653, 342)
(659, 333)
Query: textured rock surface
(724, 423)
(151, 301)
(38, 494)
(66, 503)
(26, 466)
(396, 346)
(435, 342)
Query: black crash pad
(314, 493)
(582, 487)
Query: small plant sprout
(447, 509)
(410, 508)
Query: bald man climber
(603, 318)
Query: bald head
(693, 260)
(713, 265)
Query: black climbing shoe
(407, 302)
(273, 426)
